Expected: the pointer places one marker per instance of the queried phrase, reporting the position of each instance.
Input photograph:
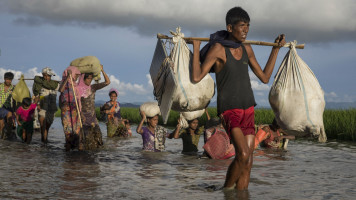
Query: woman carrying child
(153, 135)
(92, 132)
(116, 126)
(25, 118)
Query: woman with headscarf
(116, 126)
(69, 101)
(92, 133)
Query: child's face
(153, 121)
(239, 30)
(194, 124)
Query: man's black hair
(235, 15)
(26, 101)
(9, 75)
(86, 75)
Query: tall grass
(338, 124)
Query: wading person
(116, 126)
(271, 136)
(45, 89)
(92, 133)
(6, 107)
(190, 137)
(69, 101)
(25, 117)
(153, 135)
(229, 59)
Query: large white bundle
(297, 98)
(188, 96)
(151, 109)
(187, 116)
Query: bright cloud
(127, 90)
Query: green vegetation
(339, 124)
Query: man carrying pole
(45, 89)
(229, 59)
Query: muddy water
(122, 171)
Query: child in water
(24, 118)
(153, 135)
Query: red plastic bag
(218, 145)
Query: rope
(159, 83)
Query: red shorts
(243, 119)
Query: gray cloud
(316, 21)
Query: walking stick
(79, 116)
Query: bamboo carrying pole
(31, 79)
(299, 46)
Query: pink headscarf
(114, 90)
(84, 90)
(64, 77)
(74, 72)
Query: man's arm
(265, 75)
(213, 56)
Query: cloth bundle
(88, 64)
(21, 90)
(188, 96)
(151, 109)
(297, 98)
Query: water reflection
(120, 170)
(80, 172)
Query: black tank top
(233, 84)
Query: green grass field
(339, 124)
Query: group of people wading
(77, 105)
(225, 55)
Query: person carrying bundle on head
(190, 137)
(153, 135)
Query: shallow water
(121, 170)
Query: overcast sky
(122, 34)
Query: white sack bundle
(151, 109)
(88, 64)
(187, 116)
(297, 98)
(188, 96)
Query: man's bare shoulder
(248, 48)
(217, 50)
(217, 47)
